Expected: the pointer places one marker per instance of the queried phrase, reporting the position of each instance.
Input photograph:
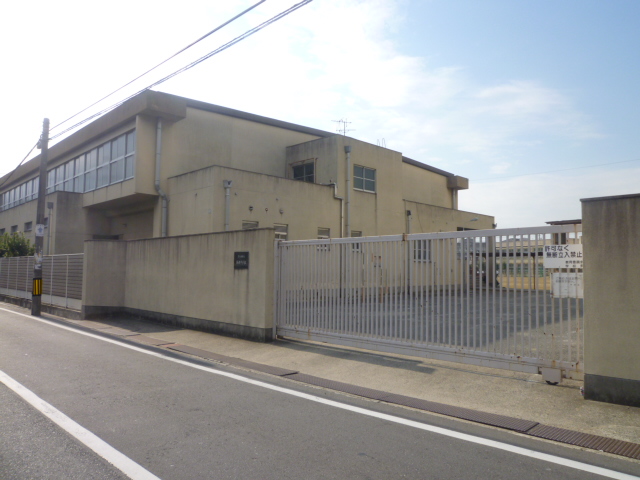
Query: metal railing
(61, 278)
(481, 297)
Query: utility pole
(36, 293)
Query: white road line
(605, 472)
(99, 446)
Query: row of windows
(28, 226)
(364, 178)
(112, 162)
(22, 193)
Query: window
(281, 231)
(249, 225)
(356, 246)
(78, 178)
(110, 163)
(304, 171)
(14, 228)
(2, 231)
(324, 233)
(364, 179)
(421, 250)
(28, 226)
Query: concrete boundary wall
(611, 239)
(187, 281)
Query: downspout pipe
(163, 196)
(227, 204)
(335, 195)
(347, 150)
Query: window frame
(303, 163)
(279, 235)
(363, 178)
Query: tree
(15, 245)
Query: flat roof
(171, 107)
(616, 197)
(416, 163)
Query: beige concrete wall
(422, 186)
(69, 223)
(197, 203)
(611, 239)
(104, 274)
(188, 280)
(204, 139)
(431, 218)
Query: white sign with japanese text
(567, 285)
(563, 256)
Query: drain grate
(586, 440)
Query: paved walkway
(511, 394)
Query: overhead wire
(21, 162)
(227, 45)
(163, 62)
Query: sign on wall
(567, 285)
(563, 256)
(240, 260)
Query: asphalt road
(181, 422)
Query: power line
(162, 63)
(227, 45)
(15, 169)
(554, 171)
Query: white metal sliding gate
(485, 297)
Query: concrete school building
(163, 165)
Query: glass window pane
(90, 181)
(357, 171)
(107, 153)
(118, 146)
(369, 174)
(358, 183)
(370, 185)
(129, 167)
(131, 142)
(80, 165)
(68, 170)
(51, 179)
(91, 159)
(68, 185)
(117, 171)
(103, 176)
(78, 184)
(59, 174)
(29, 189)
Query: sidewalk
(511, 394)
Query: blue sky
(505, 93)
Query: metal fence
(61, 278)
(481, 297)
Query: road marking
(99, 446)
(605, 472)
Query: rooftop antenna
(342, 127)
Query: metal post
(36, 293)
